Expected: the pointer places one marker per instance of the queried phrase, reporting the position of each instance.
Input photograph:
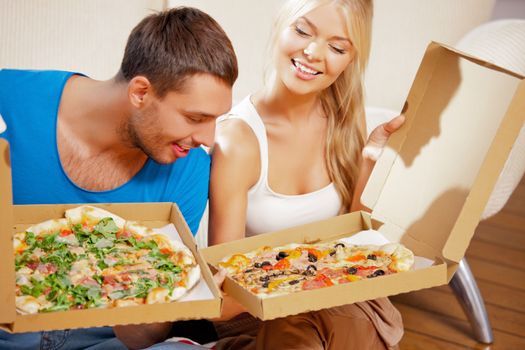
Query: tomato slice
(165, 251)
(65, 232)
(282, 264)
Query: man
(134, 138)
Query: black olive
(248, 271)
(352, 270)
(339, 245)
(282, 254)
(265, 284)
(265, 263)
(310, 270)
(293, 282)
(264, 278)
(257, 265)
(332, 253)
(312, 257)
(371, 257)
(376, 273)
(277, 257)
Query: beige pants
(373, 324)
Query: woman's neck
(278, 101)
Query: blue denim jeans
(175, 346)
(101, 338)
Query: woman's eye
(301, 32)
(337, 49)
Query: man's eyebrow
(339, 38)
(200, 114)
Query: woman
(292, 153)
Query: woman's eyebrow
(310, 23)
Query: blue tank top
(29, 102)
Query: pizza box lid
(436, 173)
(6, 224)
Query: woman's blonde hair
(343, 101)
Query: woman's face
(314, 50)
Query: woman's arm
(376, 141)
(235, 169)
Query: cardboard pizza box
(203, 301)
(428, 189)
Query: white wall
(85, 36)
(247, 23)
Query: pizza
(95, 259)
(294, 267)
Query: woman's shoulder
(236, 138)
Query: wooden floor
(434, 319)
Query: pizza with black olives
(275, 271)
(95, 259)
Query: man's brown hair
(170, 46)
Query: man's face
(166, 129)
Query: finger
(218, 278)
(394, 124)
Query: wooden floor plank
(507, 238)
(496, 253)
(444, 328)
(416, 341)
(507, 220)
(454, 331)
(436, 302)
(496, 295)
(497, 274)
(516, 203)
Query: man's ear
(139, 89)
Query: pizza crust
(88, 215)
(49, 226)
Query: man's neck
(90, 120)
(94, 112)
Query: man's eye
(301, 32)
(194, 119)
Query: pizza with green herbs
(96, 259)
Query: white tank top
(270, 211)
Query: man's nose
(205, 135)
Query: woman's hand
(230, 307)
(379, 137)
(371, 152)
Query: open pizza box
(428, 189)
(202, 301)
